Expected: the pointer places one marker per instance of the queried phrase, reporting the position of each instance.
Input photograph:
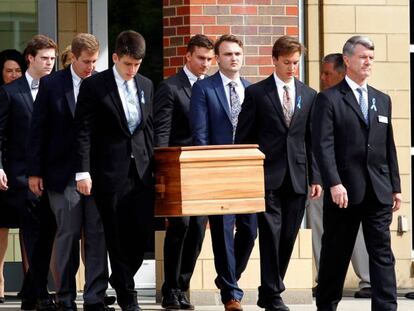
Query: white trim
(412, 48)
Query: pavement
(147, 302)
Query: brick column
(257, 22)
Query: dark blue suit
(211, 125)
(36, 220)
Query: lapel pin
(142, 97)
(373, 106)
(299, 104)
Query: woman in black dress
(12, 67)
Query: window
(18, 23)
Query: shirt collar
(75, 78)
(280, 84)
(191, 77)
(226, 80)
(353, 85)
(28, 78)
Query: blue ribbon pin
(299, 104)
(373, 106)
(142, 97)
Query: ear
(274, 60)
(115, 58)
(346, 60)
(188, 56)
(30, 58)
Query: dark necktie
(287, 105)
(235, 106)
(363, 104)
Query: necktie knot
(232, 84)
(35, 84)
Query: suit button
(369, 146)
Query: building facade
(323, 26)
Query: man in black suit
(36, 219)
(354, 146)
(184, 235)
(276, 115)
(114, 127)
(52, 167)
(214, 108)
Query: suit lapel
(68, 90)
(142, 103)
(271, 92)
(26, 93)
(350, 99)
(372, 106)
(298, 102)
(185, 83)
(221, 94)
(116, 99)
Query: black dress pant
(278, 228)
(127, 217)
(38, 227)
(340, 227)
(182, 245)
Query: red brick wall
(257, 22)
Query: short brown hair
(84, 42)
(37, 43)
(200, 41)
(130, 43)
(228, 38)
(287, 45)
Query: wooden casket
(209, 180)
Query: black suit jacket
(351, 153)
(171, 111)
(52, 136)
(16, 107)
(104, 143)
(287, 150)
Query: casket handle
(160, 187)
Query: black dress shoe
(185, 303)
(363, 293)
(109, 300)
(28, 304)
(409, 295)
(97, 307)
(67, 306)
(170, 301)
(132, 307)
(276, 305)
(2, 300)
(45, 304)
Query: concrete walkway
(148, 303)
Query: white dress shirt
(354, 86)
(76, 81)
(191, 76)
(30, 80)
